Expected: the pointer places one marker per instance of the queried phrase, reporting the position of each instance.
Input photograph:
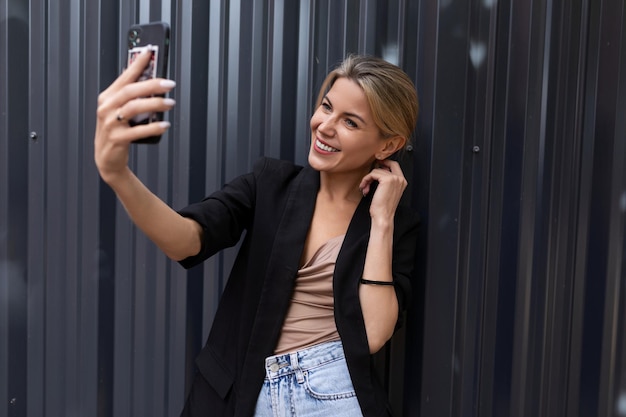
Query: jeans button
(274, 367)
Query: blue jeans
(312, 382)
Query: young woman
(323, 272)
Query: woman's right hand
(120, 102)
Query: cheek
(316, 120)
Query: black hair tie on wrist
(370, 282)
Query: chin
(313, 161)
(318, 163)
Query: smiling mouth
(325, 147)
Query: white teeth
(325, 147)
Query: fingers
(116, 107)
(112, 101)
(141, 89)
(391, 166)
(391, 186)
(386, 171)
(129, 75)
(130, 134)
(121, 101)
(117, 123)
(143, 105)
(134, 70)
(126, 87)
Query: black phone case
(155, 34)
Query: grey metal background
(518, 169)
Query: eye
(351, 123)
(325, 106)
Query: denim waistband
(302, 360)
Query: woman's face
(344, 137)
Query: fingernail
(164, 125)
(169, 102)
(168, 83)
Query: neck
(341, 186)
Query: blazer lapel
(350, 263)
(348, 313)
(282, 269)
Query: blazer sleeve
(224, 215)
(403, 263)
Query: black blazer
(274, 205)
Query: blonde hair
(389, 90)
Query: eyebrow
(356, 116)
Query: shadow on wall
(14, 99)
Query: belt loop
(293, 358)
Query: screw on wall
(33, 136)
(476, 149)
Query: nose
(327, 126)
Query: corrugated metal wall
(519, 171)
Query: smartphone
(154, 36)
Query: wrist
(382, 226)
(114, 178)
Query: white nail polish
(169, 101)
(168, 83)
(164, 124)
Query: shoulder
(279, 175)
(265, 173)
(266, 166)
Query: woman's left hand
(391, 186)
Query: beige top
(310, 319)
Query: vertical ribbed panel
(518, 169)
(14, 143)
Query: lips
(327, 148)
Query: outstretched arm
(177, 236)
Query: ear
(391, 146)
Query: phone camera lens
(133, 35)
